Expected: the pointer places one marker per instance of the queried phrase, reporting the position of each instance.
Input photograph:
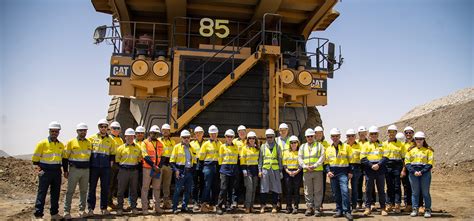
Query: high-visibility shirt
(152, 149)
(355, 150)
(373, 151)
(48, 154)
(311, 154)
(209, 152)
(168, 145)
(249, 156)
(140, 143)
(128, 155)
(325, 144)
(270, 158)
(196, 147)
(78, 152)
(103, 148)
(338, 159)
(283, 144)
(290, 159)
(419, 159)
(178, 156)
(394, 150)
(407, 144)
(118, 140)
(228, 154)
(239, 143)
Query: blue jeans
(371, 179)
(48, 179)
(94, 175)
(185, 182)
(356, 175)
(392, 177)
(211, 184)
(340, 189)
(421, 184)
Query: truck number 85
(208, 27)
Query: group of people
(213, 174)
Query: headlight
(287, 76)
(140, 67)
(305, 78)
(160, 68)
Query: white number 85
(207, 27)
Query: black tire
(313, 118)
(119, 110)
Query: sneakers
(262, 209)
(337, 214)
(274, 209)
(397, 209)
(119, 212)
(56, 217)
(295, 211)
(349, 217)
(104, 212)
(219, 211)
(308, 212)
(414, 212)
(427, 213)
(367, 212)
(67, 215)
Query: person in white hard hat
(47, 160)
(208, 161)
(362, 140)
(76, 169)
(182, 161)
(283, 138)
(395, 152)
(198, 176)
(249, 166)
(102, 158)
(229, 161)
(270, 167)
(238, 192)
(419, 161)
(293, 175)
(338, 159)
(115, 130)
(409, 141)
(129, 156)
(374, 160)
(355, 148)
(152, 151)
(166, 172)
(311, 154)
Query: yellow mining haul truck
(222, 62)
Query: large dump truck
(226, 62)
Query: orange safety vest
(154, 152)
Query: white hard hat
(115, 124)
(408, 128)
(373, 129)
(309, 132)
(103, 121)
(241, 127)
(350, 132)
(198, 129)
(81, 126)
(130, 132)
(283, 126)
(213, 129)
(269, 132)
(392, 127)
(229, 132)
(140, 129)
(185, 133)
(318, 129)
(400, 136)
(294, 138)
(361, 129)
(335, 131)
(251, 134)
(54, 125)
(166, 127)
(419, 134)
(154, 129)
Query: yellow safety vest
(394, 150)
(290, 159)
(78, 150)
(312, 157)
(128, 155)
(340, 159)
(284, 146)
(407, 145)
(168, 145)
(239, 143)
(210, 151)
(196, 147)
(374, 152)
(419, 156)
(228, 154)
(249, 156)
(270, 159)
(47, 152)
(118, 140)
(178, 156)
(355, 149)
(104, 145)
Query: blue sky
(398, 54)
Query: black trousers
(292, 185)
(228, 184)
(48, 179)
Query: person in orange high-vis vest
(152, 151)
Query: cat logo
(318, 84)
(120, 71)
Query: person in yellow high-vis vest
(409, 141)
(311, 159)
(319, 137)
(362, 134)
(249, 166)
(229, 161)
(270, 167)
(395, 152)
(198, 176)
(208, 161)
(293, 175)
(115, 130)
(239, 191)
(166, 172)
(356, 166)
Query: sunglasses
(309, 136)
(334, 136)
(408, 132)
(186, 137)
(351, 135)
(251, 138)
(372, 134)
(82, 130)
(115, 128)
(102, 126)
(293, 142)
(54, 131)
